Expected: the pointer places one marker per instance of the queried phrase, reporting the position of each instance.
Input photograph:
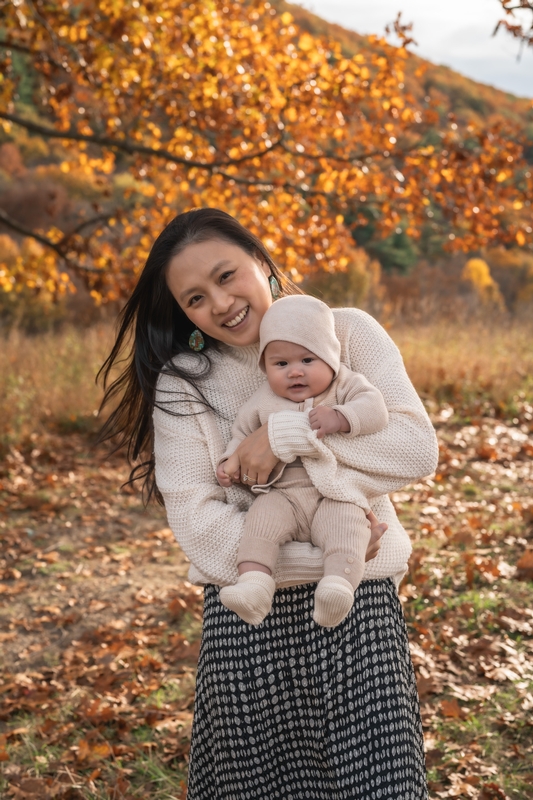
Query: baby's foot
(333, 601)
(251, 597)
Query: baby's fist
(223, 479)
(326, 420)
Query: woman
(287, 709)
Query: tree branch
(35, 53)
(9, 222)
(84, 224)
(127, 146)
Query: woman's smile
(237, 319)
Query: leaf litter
(100, 628)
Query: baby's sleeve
(362, 404)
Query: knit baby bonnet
(302, 320)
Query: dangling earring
(196, 341)
(275, 291)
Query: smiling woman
(222, 289)
(266, 703)
(206, 273)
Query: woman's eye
(225, 275)
(195, 299)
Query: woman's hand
(256, 457)
(377, 529)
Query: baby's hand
(223, 479)
(327, 420)
(229, 471)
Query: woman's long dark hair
(152, 329)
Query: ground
(100, 628)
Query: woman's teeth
(237, 319)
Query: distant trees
(158, 107)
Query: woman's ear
(263, 264)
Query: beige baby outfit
(314, 498)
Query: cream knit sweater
(208, 520)
(360, 403)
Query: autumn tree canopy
(166, 106)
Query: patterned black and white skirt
(293, 711)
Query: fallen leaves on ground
(100, 628)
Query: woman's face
(223, 290)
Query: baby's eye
(281, 364)
(308, 360)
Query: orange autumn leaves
(163, 107)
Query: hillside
(467, 98)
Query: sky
(457, 33)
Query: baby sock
(251, 597)
(333, 601)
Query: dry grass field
(100, 629)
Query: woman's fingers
(377, 529)
(256, 457)
(371, 517)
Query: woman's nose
(222, 301)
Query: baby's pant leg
(270, 522)
(342, 531)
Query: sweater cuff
(298, 563)
(290, 435)
(353, 420)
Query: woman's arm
(405, 451)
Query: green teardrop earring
(196, 341)
(275, 291)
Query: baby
(313, 498)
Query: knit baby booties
(251, 598)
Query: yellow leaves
(517, 205)
(502, 176)
(477, 272)
(520, 238)
(291, 114)
(227, 81)
(306, 42)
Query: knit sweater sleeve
(405, 450)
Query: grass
(47, 382)
(475, 368)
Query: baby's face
(295, 372)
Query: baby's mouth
(238, 318)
